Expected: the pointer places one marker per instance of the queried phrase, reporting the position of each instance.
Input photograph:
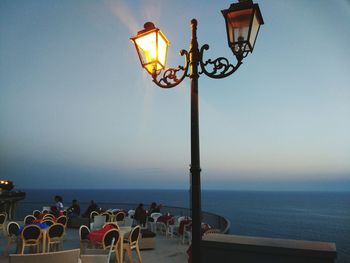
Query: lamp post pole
(195, 156)
(243, 20)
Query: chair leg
(130, 255)
(138, 253)
(8, 246)
(18, 245)
(116, 256)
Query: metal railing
(214, 220)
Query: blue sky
(78, 111)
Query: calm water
(321, 216)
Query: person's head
(154, 204)
(58, 198)
(140, 205)
(92, 202)
(74, 201)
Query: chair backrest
(66, 256)
(29, 219)
(12, 228)
(99, 221)
(134, 235)
(48, 215)
(131, 213)
(62, 220)
(55, 231)
(155, 216)
(46, 208)
(36, 214)
(84, 231)
(120, 216)
(92, 215)
(31, 233)
(109, 236)
(3, 217)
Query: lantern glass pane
(162, 51)
(254, 31)
(239, 22)
(147, 48)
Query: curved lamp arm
(169, 78)
(220, 67)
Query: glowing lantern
(152, 46)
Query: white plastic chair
(153, 225)
(171, 229)
(186, 233)
(131, 213)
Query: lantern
(151, 46)
(243, 21)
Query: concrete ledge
(259, 249)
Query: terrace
(213, 247)
(167, 249)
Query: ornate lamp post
(243, 20)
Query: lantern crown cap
(245, 1)
(148, 26)
(243, 4)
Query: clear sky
(78, 111)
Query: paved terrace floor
(169, 250)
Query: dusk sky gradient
(78, 111)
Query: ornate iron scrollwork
(169, 78)
(219, 68)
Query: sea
(315, 216)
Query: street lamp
(243, 20)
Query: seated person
(154, 208)
(58, 207)
(74, 210)
(92, 207)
